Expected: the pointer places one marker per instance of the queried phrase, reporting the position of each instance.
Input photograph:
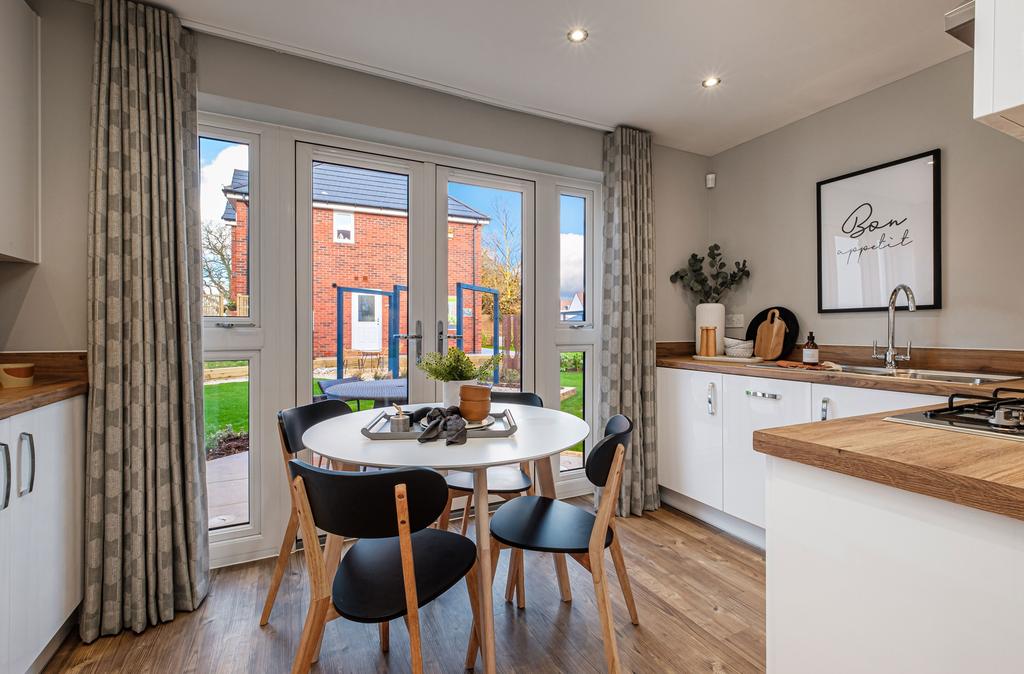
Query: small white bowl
(739, 349)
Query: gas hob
(1000, 415)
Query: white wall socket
(735, 321)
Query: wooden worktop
(47, 389)
(976, 471)
(836, 378)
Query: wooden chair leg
(513, 574)
(412, 624)
(465, 514)
(279, 567)
(604, 608)
(521, 579)
(474, 605)
(312, 631)
(384, 629)
(620, 573)
(446, 514)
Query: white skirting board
(744, 531)
(862, 577)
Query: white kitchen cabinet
(43, 530)
(838, 402)
(750, 404)
(6, 549)
(690, 434)
(19, 142)
(999, 65)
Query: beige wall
(680, 224)
(764, 209)
(42, 307)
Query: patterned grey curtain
(628, 357)
(146, 547)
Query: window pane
(572, 367)
(572, 240)
(224, 208)
(360, 295)
(226, 415)
(485, 266)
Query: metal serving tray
(379, 428)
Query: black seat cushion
(368, 586)
(500, 480)
(544, 524)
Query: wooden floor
(700, 595)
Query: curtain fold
(628, 357)
(146, 545)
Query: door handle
(418, 338)
(762, 394)
(443, 337)
(32, 473)
(824, 409)
(711, 398)
(6, 449)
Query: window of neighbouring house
(224, 205)
(344, 227)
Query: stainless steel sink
(925, 375)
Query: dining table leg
(485, 573)
(546, 480)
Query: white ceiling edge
(313, 55)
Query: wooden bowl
(17, 375)
(475, 402)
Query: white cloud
(573, 262)
(215, 175)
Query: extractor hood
(960, 23)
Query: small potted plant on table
(454, 369)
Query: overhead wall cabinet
(19, 142)
(999, 65)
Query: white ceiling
(642, 66)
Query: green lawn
(573, 405)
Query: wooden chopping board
(770, 336)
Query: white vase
(711, 315)
(450, 392)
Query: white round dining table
(541, 434)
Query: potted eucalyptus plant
(709, 287)
(454, 369)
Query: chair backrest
(517, 398)
(297, 420)
(362, 505)
(618, 431)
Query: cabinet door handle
(762, 394)
(32, 472)
(5, 448)
(824, 409)
(711, 398)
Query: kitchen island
(893, 548)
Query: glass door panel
(361, 212)
(484, 224)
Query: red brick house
(360, 226)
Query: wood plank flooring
(699, 592)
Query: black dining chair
(508, 482)
(398, 563)
(291, 424)
(544, 524)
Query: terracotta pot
(475, 402)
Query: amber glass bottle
(810, 350)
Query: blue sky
(209, 148)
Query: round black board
(792, 325)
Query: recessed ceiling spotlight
(577, 35)
(711, 82)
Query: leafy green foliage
(710, 286)
(456, 366)
(570, 361)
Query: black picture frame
(936, 157)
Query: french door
(397, 257)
